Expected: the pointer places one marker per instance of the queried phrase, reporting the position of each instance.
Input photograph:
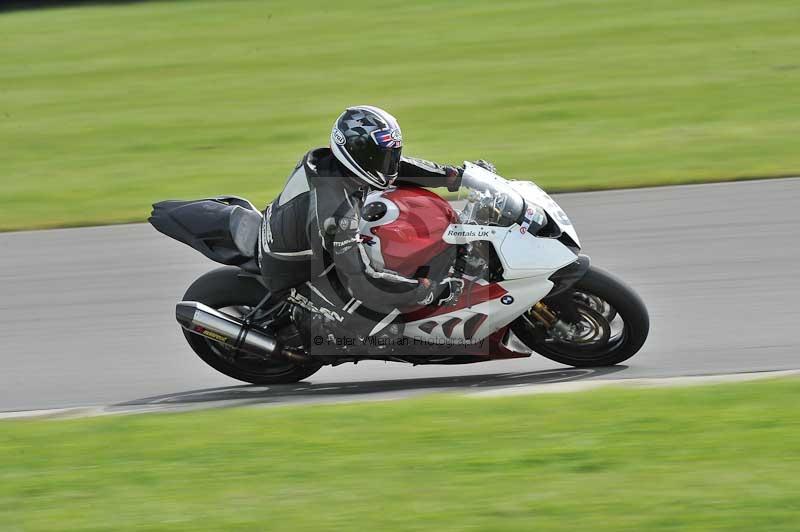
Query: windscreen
(488, 199)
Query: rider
(311, 230)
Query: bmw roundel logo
(506, 300)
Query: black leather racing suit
(310, 235)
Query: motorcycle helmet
(367, 141)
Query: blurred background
(108, 106)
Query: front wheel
(225, 290)
(606, 323)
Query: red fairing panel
(415, 237)
(474, 294)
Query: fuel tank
(402, 229)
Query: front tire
(225, 290)
(601, 300)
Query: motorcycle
(524, 285)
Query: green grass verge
(723, 457)
(106, 109)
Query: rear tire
(625, 305)
(224, 287)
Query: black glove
(486, 165)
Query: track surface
(87, 315)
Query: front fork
(555, 327)
(561, 323)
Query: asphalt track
(87, 315)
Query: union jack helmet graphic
(368, 142)
(388, 138)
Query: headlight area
(534, 219)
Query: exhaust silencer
(222, 328)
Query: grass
(105, 109)
(723, 457)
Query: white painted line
(579, 386)
(515, 389)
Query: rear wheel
(606, 323)
(224, 290)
